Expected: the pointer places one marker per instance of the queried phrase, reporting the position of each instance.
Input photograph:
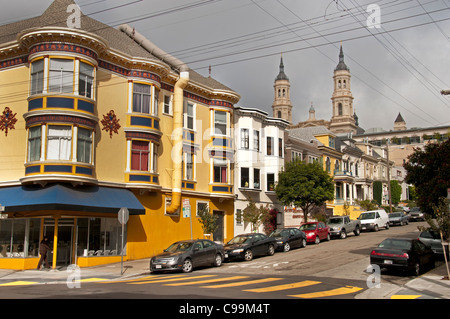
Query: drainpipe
(177, 134)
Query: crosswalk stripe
(242, 283)
(143, 279)
(405, 296)
(206, 281)
(19, 283)
(168, 280)
(329, 293)
(286, 286)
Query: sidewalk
(427, 286)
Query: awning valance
(96, 199)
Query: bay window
(34, 143)
(140, 151)
(84, 145)
(61, 76)
(142, 97)
(189, 116)
(220, 170)
(86, 80)
(59, 142)
(220, 122)
(37, 77)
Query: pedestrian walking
(44, 248)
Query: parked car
(398, 218)
(342, 225)
(374, 220)
(188, 254)
(288, 238)
(432, 239)
(246, 246)
(402, 253)
(415, 214)
(315, 231)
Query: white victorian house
(259, 156)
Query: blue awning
(96, 199)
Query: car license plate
(158, 266)
(389, 262)
(226, 255)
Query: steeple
(281, 75)
(343, 119)
(399, 123)
(341, 65)
(282, 106)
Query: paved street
(331, 270)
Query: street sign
(123, 215)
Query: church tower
(282, 106)
(342, 120)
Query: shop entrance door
(65, 242)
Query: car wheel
(303, 243)
(375, 228)
(218, 260)
(286, 247)
(328, 237)
(187, 265)
(317, 240)
(271, 250)
(357, 232)
(343, 234)
(248, 255)
(386, 226)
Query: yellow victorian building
(94, 119)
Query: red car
(315, 231)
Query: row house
(259, 156)
(95, 119)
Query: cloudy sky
(400, 67)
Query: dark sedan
(246, 246)
(398, 218)
(402, 253)
(288, 238)
(187, 254)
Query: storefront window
(99, 237)
(13, 234)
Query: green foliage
(255, 215)
(377, 192)
(441, 220)
(304, 185)
(208, 220)
(396, 192)
(429, 171)
(367, 204)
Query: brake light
(374, 253)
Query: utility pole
(388, 176)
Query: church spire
(341, 65)
(281, 74)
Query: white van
(374, 220)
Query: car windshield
(367, 216)
(392, 243)
(179, 246)
(280, 233)
(395, 215)
(308, 226)
(240, 240)
(335, 221)
(415, 210)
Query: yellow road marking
(91, 279)
(242, 283)
(206, 281)
(328, 293)
(405, 296)
(143, 279)
(168, 280)
(19, 283)
(286, 286)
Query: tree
(378, 192)
(304, 185)
(208, 220)
(255, 215)
(429, 171)
(396, 192)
